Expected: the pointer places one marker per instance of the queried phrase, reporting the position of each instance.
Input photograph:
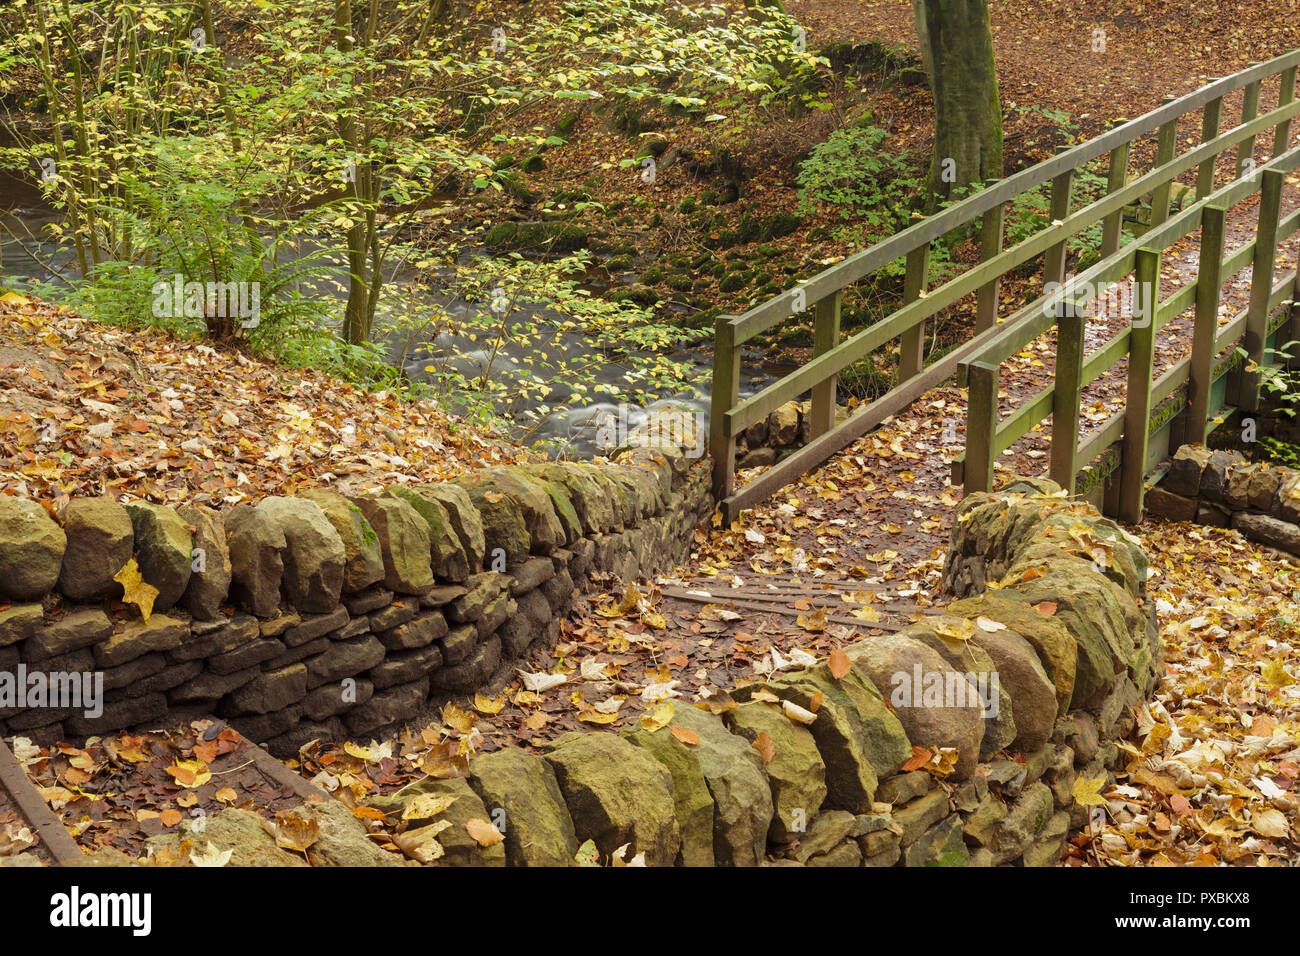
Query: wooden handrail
(992, 343)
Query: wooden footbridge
(1110, 466)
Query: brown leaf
(687, 736)
(484, 833)
(839, 663)
(920, 757)
(765, 746)
(1046, 607)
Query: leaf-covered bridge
(1113, 464)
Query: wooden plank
(726, 392)
(1285, 94)
(1261, 284)
(54, 835)
(981, 425)
(849, 430)
(1166, 150)
(1209, 284)
(1014, 335)
(1065, 398)
(992, 235)
(1249, 110)
(1137, 411)
(1209, 130)
(911, 346)
(1112, 228)
(826, 335)
(1058, 211)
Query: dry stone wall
(322, 615)
(831, 765)
(1226, 490)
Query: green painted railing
(993, 340)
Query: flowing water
(557, 386)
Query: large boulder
(590, 501)
(1021, 675)
(403, 541)
(898, 663)
(313, 554)
(538, 829)
(506, 538)
(31, 549)
(1053, 644)
(256, 565)
(212, 570)
(968, 660)
(465, 518)
(456, 844)
(742, 797)
(165, 548)
(858, 737)
(617, 794)
(447, 555)
(363, 561)
(691, 796)
(796, 772)
(545, 531)
(100, 543)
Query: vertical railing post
(981, 426)
(992, 233)
(1210, 121)
(1285, 95)
(1209, 280)
(1066, 391)
(1112, 227)
(1137, 410)
(726, 394)
(1166, 150)
(1058, 210)
(911, 346)
(1293, 322)
(1261, 285)
(826, 335)
(1249, 111)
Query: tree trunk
(957, 46)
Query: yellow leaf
(293, 832)
(13, 298)
(657, 718)
(135, 590)
(1270, 823)
(425, 806)
(489, 705)
(1276, 674)
(815, 621)
(868, 614)
(190, 773)
(590, 716)
(955, 628)
(1088, 792)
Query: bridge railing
(1181, 405)
(993, 339)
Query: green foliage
(869, 189)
